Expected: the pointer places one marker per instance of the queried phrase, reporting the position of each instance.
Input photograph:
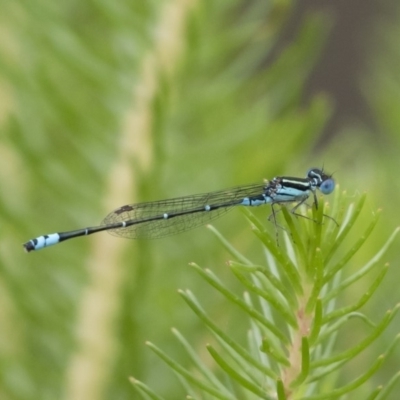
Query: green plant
(106, 103)
(294, 305)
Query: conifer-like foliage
(105, 103)
(295, 315)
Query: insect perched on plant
(157, 219)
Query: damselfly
(167, 217)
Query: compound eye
(327, 186)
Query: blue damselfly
(167, 217)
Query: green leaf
(364, 270)
(317, 281)
(270, 297)
(305, 364)
(383, 394)
(317, 322)
(245, 383)
(335, 269)
(280, 390)
(284, 261)
(187, 375)
(144, 390)
(229, 247)
(351, 353)
(364, 298)
(188, 297)
(352, 385)
(199, 364)
(346, 225)
(207, 275)
(275, 282)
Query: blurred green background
(107, 103)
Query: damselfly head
(322, 181)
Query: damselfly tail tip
(28, 246)
(43, 241)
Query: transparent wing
(184, 213)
